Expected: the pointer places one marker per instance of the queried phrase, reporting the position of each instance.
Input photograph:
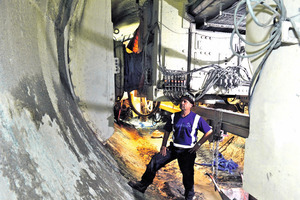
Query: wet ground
(134, 142)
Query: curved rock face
(49, 146)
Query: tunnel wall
(48, 149)
(91, 64)
(272, 150)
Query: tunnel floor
(134, 142)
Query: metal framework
(235, 123)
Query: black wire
(227, 144)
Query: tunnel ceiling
(214, 15)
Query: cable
(226, 144)
(274, 32)
(183, 33)
(227, 78)
(278, 15)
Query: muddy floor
(134, 142)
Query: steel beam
(235, 123)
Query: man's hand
(201, 141)
(163, 151)
(195, 148)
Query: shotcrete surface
(48, 149)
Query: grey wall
(272, 150)
(89, 34)
(48, 146)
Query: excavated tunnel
(56, 108)
(56, 60)
(57, 97)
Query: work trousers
(186, 161)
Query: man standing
(185, 126)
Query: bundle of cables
(226, 78)
(277, 17)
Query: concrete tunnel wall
(272, 159)
(48, 147)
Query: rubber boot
(138, 186)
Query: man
(185, 126)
